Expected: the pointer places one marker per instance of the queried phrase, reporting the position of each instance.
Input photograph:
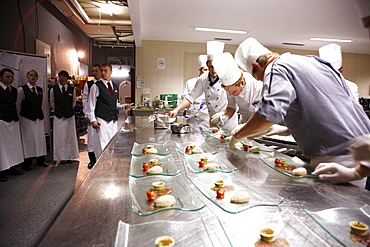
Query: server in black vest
(103, 108)
(11, 151)
(29, 106)
(62, 101)
(95, 69)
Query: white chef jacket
(11, 151)
(199, 115)
(64, 133)
(251, 93)
(354, 88)
(216, 98)
(91, 132)
(33, 132)
(107, 130)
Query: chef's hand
(219, 118)
(277, 129)
(360, 148)
(336, 172)
(95, 124)
(234, 141)
(173, 113)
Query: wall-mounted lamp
(81, 54)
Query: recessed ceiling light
(332, 40)
(219, 30)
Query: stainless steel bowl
(180, 128)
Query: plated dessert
(288, 167)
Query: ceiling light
(219, 30)
(332, 40)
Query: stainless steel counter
(91, 216)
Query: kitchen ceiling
(275, 23)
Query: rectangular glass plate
(169, 166)
(137, 149)
(335, 222)
(225, 165)
(259, 197)
(270, 161)
(144, 234)
(204, 146)
(244, 229)
(220, 131)
(262, 147)
(141, 205)
(218, 135)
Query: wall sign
(161, 63)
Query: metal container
(180, 128)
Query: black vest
(89, 84)
(8, 110)
(31, 106)
(106, 104)
(63, 103)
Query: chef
(62, 101)
(11, 152)
(332, 53)
(209, 83)
(29, 106)
(309, 96)
(243, 93)
(197, 112)
(91, 132)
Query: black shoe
(13, 171)
(90, 165)
(69, 161)
(63, 162)
(3, 177)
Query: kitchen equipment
(180, 128)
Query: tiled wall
(181, 64)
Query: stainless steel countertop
(91, 216)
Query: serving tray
(137, 149)
(169, 166)
(186, 200)
(205, 183)
(270, 161)
(335, 222)
(191, 162)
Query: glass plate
(204, 146)
(141, 205)
(220, 131)
(169, 166)
(244, 229)
(259, 197)
(270, 161)
(263, 148)
(144, 234)
(335, 222)
(225, 165)
(218, 134)
(137, 149)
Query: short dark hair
(106, 65)
(63, 72)
(2, 72)
(96, 65)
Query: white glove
(234, 141)
(360, 148)
(219, 118)
(336, 172)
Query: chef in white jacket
(333, 54)
(209, 83)
(197, 112)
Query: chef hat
(332, 53)
(248, 52)
(227, 68)
(202, 60)
(214, 47)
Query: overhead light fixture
(81, 54)
(219, 30)
(332, 40)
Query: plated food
(288, 166)
(193, 149)
(149, 165)
(164, 241)
(149, 148)
(199, 163)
